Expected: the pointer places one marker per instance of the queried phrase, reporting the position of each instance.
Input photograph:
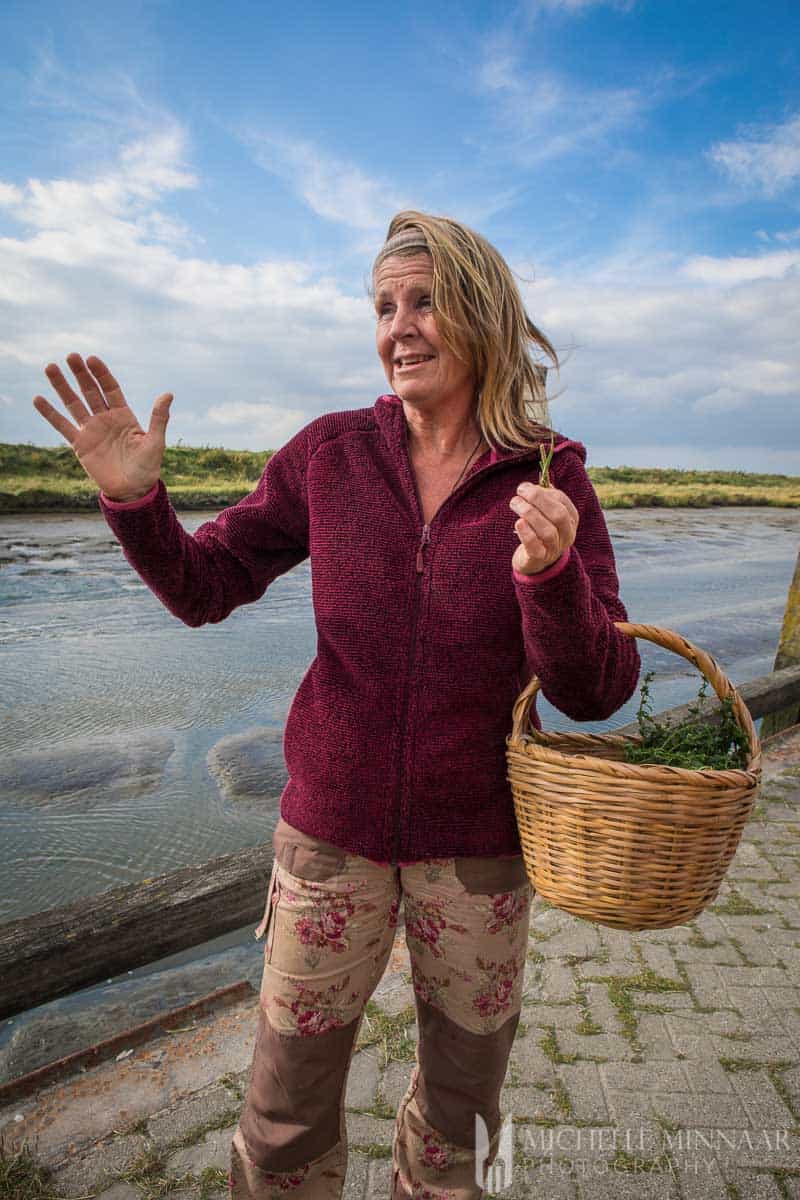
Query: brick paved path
(657, 1064)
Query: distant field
(42, 479)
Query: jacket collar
(391, 421)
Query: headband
(407, 239)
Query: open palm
(109, 442)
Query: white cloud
(266, 424)
(696, 353)
(573, 6)
(741, 269)
(333, 188)
(542, 115)
(99, 268)
(767, 159)
(702, 362)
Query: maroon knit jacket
(395, 742)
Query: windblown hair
(482, 319)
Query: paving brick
(639, 1184)
(562, 1016)
(582, 1081)
(121, 1191)
(782, 997)
(752, 1004)
(699, 1178)
(723, 953)
(615, 967)
(705, 983)
(791, 1081)
(673, 1000)
(660, 960)
(361, 1181)
(757, 1148)
(368, 1131)
(214, 1104)
(764, 1106)
(701, 1108)
(529, 1103)
(693, 1024)
(790, 1020)
(619, 943)
(709, 926)
(213, 1151)
(98, 1167)
(597, 1045)
(708, 1076)
(528, 1058)
(654, 1037)
(753, 1185)
(362, 1082)
(551, 1179)
(640, 1077)
(602, 1011)
(578, 939)
(772, 977)
(394, 1082)
(557, 982)
(756, 951)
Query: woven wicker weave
(624, 845)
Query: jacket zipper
(425, 538)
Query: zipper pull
(426, 537)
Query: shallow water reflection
(132, 745)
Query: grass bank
(44, 479)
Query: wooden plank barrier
(788, 656)
(52, 953)
(59, 951)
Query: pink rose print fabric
(328, 937)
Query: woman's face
(419, 366)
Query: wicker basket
(629, 846)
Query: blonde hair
(482, 319)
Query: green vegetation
(21, 1178)
(40, 479)
(693, 743)
(644, 487)
(37, 478)
(389, 1033)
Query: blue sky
(195, 192)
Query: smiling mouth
(413, 360)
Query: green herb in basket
(694, 744)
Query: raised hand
(109, 442)
(547, 525)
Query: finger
(535, 529)
(87, 383)
(71, 400)
(108, 384)
(555, 505)
(55, 418)
(537, 554)
(160, 415)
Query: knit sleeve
(586, 667)
(229, 561)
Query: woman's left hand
(547, 525)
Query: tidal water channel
(131, 745)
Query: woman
(443, 576)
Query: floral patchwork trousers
(328, 931)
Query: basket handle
(705, 664)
